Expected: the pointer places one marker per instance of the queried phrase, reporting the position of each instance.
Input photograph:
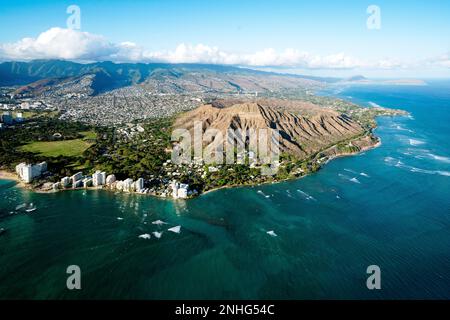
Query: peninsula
(67, 133)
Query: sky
(376, 38)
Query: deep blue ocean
(389, 207)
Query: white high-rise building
(75, 178)
(103, 177)
(179, 190)
(27, 172)
(77, 184)
(65, 182)
(87, 182)
(174, 186)
(183, 191)
(99, 178)
(139, 185)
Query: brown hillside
(300, 135)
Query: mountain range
(39, 75)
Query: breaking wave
(374, 105)
(355, 180)
(307, 196)
(416, 142)
(397, 163)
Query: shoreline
(6, 175)
(363, 149)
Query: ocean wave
(425, 154)
(400, 164)
(272, 233)
(263, 194)
(355, 180)
(157, 234)
(425, 171)
(375, 105)
(396, 126)
(393, 161)
(176, 229)
(358, 173)
(21, 206)
(407, 153)
(439, 158)
(416, 142)
(307, 196)
(364, 174)
(159, 222)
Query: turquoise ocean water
(388, 207)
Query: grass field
(89, 135)
(68, 148)
(33, 114)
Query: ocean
(389, 207)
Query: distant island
(359, 79)
(69, 126)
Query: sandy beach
(5, 175)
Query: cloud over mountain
(59, 43)
(68, 44)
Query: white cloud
(444, 60)
(186, 53)
(266, 58)
(59, 43)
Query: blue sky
(328, 37)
